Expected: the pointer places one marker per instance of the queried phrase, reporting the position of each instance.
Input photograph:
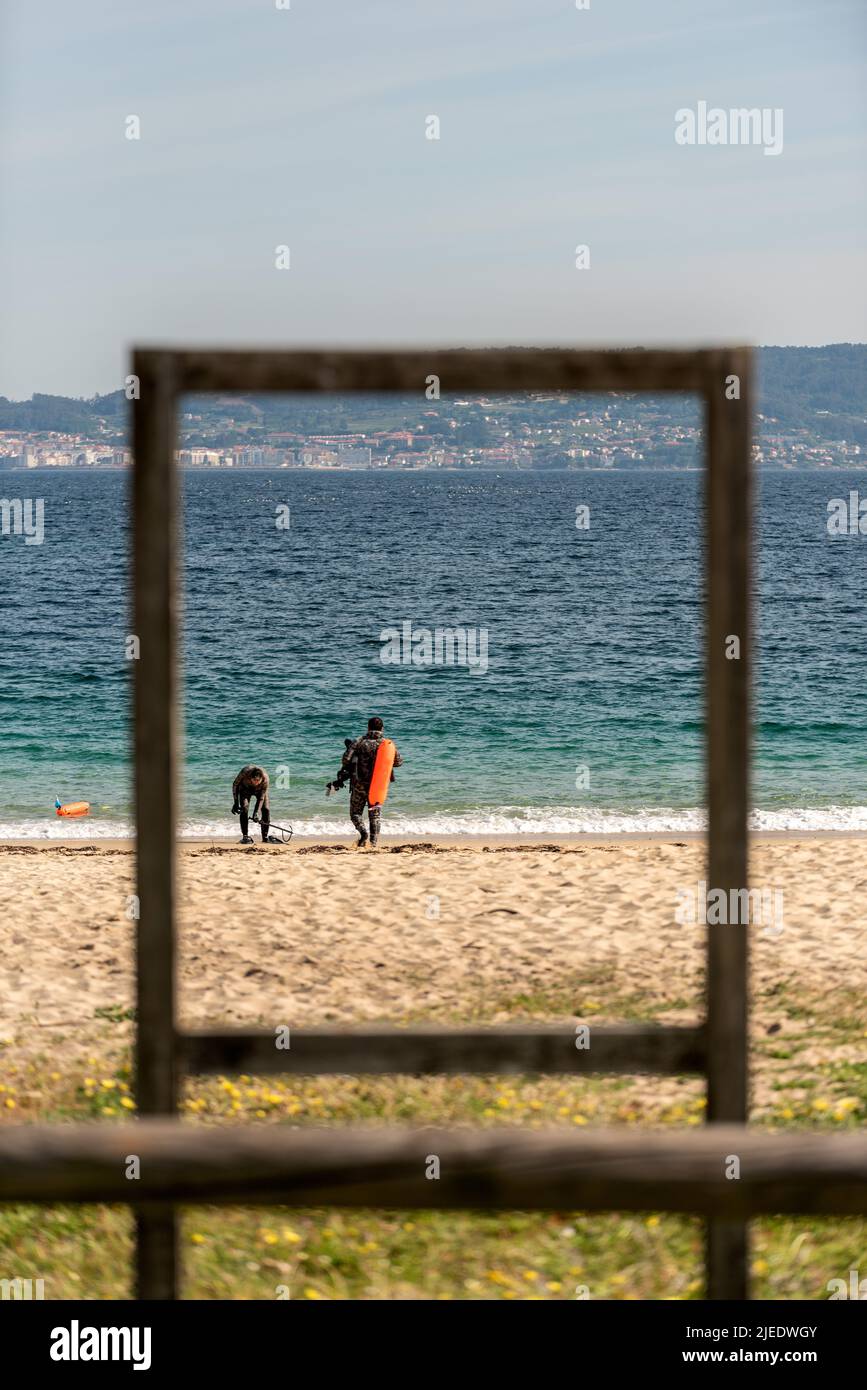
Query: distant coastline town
(604, 441)
(812, 413)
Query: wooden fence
(591, 1171)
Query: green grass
(85, 1252)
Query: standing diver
(252, 781)
(357, 765)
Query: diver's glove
(236, 810)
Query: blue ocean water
(589, 714)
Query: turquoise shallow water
(593, 649)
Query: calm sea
(583, 711)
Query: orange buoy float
(72, 808)
(381, 773)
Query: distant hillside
(64, 413)
(820, 389)
(796, 384)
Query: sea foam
(481, 822)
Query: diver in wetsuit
(358, 761)
(252, 781)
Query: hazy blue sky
(306, 127)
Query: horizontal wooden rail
(440, 1051)
(553, 1170)
(462, 369)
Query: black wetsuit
(344, 774)
(359, 759)
(243, 789)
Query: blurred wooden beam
(442, 1051)
(727, 695)
(499, 1168)
(464, 369)
(156, 525)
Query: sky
(305, 127)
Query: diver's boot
(246, 839)
(362, 840)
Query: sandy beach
(315, 934)
(450, 932)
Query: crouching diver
(253, 781)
